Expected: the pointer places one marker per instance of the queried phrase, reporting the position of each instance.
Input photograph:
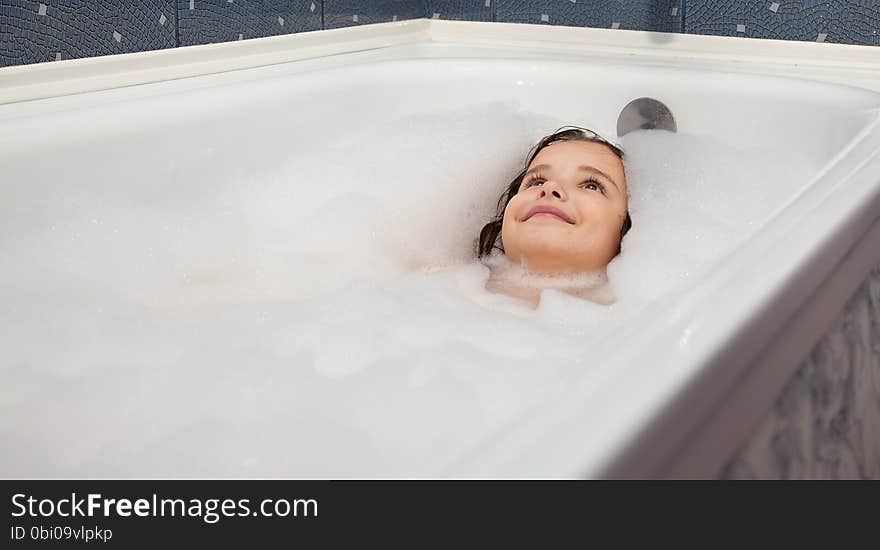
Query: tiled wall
(345, 13)
(47, 30)
(826, 422)
(653, 15)
(843, 21)
(32, 31)
(206, 21)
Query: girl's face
(583, 185)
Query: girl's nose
(553, 189)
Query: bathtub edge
(836, 63)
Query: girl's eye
(595, 185)
(589, 184)
(534, 180)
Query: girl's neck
(517, 281)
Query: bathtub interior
(270, 273)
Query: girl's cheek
(511, 206)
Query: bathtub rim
(852, 65)
(741, 411)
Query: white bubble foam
(322, 316)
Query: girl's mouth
(549, 210)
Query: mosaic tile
(462, 10)
(209, 21)
(656, 15)
(347, 13)
(50, 30)
(841, 21)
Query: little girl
(561, 220)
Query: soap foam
(326, 316)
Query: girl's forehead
(577, 150)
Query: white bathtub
(679, 390)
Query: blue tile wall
(463, 10)
(48, 30)
(843, 21)
(346, 13)
(34, 31)
(206, 21)
(650, 15)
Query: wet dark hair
(489, 234)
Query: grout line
(176, 24)
(323, 25)
(683, 7)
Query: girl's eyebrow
(582, 168)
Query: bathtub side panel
(826, 422)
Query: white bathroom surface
(269, 272)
